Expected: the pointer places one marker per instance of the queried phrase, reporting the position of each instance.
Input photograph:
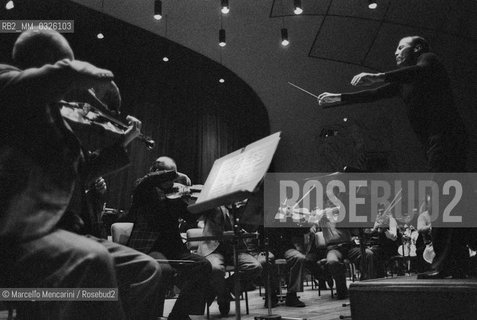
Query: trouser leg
(140, 280)
(295, 261)
(61, 260)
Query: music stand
(234, 178)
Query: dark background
(192, 117)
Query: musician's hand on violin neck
(133, 131)
(108, 93)
(327, 98)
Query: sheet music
(241, 170)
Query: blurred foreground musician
(156, 232)
(41, 161)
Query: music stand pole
(235, 241)
(271, 316)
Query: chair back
(121, 231)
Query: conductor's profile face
(404, 52)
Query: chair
(121, 231)
(320, 244)
(282, 277)
(351, 268)
(193, 245)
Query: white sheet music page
(241, 170)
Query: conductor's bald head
(37, 48)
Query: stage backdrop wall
(192, 117)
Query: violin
(95, 112)
(188, 194)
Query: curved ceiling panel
(344, 39)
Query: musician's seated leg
(295, 262)
(249, 269)
(61, 260)
(354, 255)
(380, 260)
(192, 280)
(141, 280)
(268, 270)
(217, 282)
(335, 265)
(318, 270)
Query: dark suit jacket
(80, 216)
(156, 218)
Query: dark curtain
(192, 127)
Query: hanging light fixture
(225, 6)
(157, 9)
(166, 55)
(10, 5)
(285, 41)
(222, 42)
(372, 4)
(100, 34)
(298, 9)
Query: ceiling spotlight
(221, 80)
(158, 9)
(372, 4)
(225, 6)
(345, 119)
(298, 8)
(165, 59)
(285, 41)
(222, 38)
(100, 35)
(9, 5)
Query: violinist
(156, 232)
(424, 240)
(384, 239)
(42, 161)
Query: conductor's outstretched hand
(327, 98)
(367, 79)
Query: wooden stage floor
(322, 308)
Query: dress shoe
(224, 304)
(293, 301)
(224, 307)
(178, 316)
